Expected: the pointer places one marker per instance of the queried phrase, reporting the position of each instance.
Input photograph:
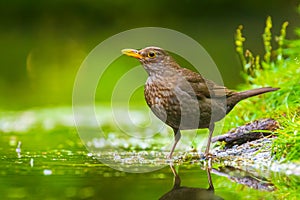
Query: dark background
(43, 43)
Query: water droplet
(31, 162)
(47, 172)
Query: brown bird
(183, 99)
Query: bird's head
(154, 59)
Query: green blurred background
(43, 43)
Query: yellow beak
(132, 52)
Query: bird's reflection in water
(181, 192)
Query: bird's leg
(177, 136)
(211, 130)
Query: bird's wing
(203, 87)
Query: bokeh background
(43, 43)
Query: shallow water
(42, 157)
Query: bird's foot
(208, 156)
(169, 157)
(207, 160)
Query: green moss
(279, 67)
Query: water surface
(42, 157)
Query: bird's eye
(151, 54)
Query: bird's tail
(238, 96)
(250, 93)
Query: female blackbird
(183, 99)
